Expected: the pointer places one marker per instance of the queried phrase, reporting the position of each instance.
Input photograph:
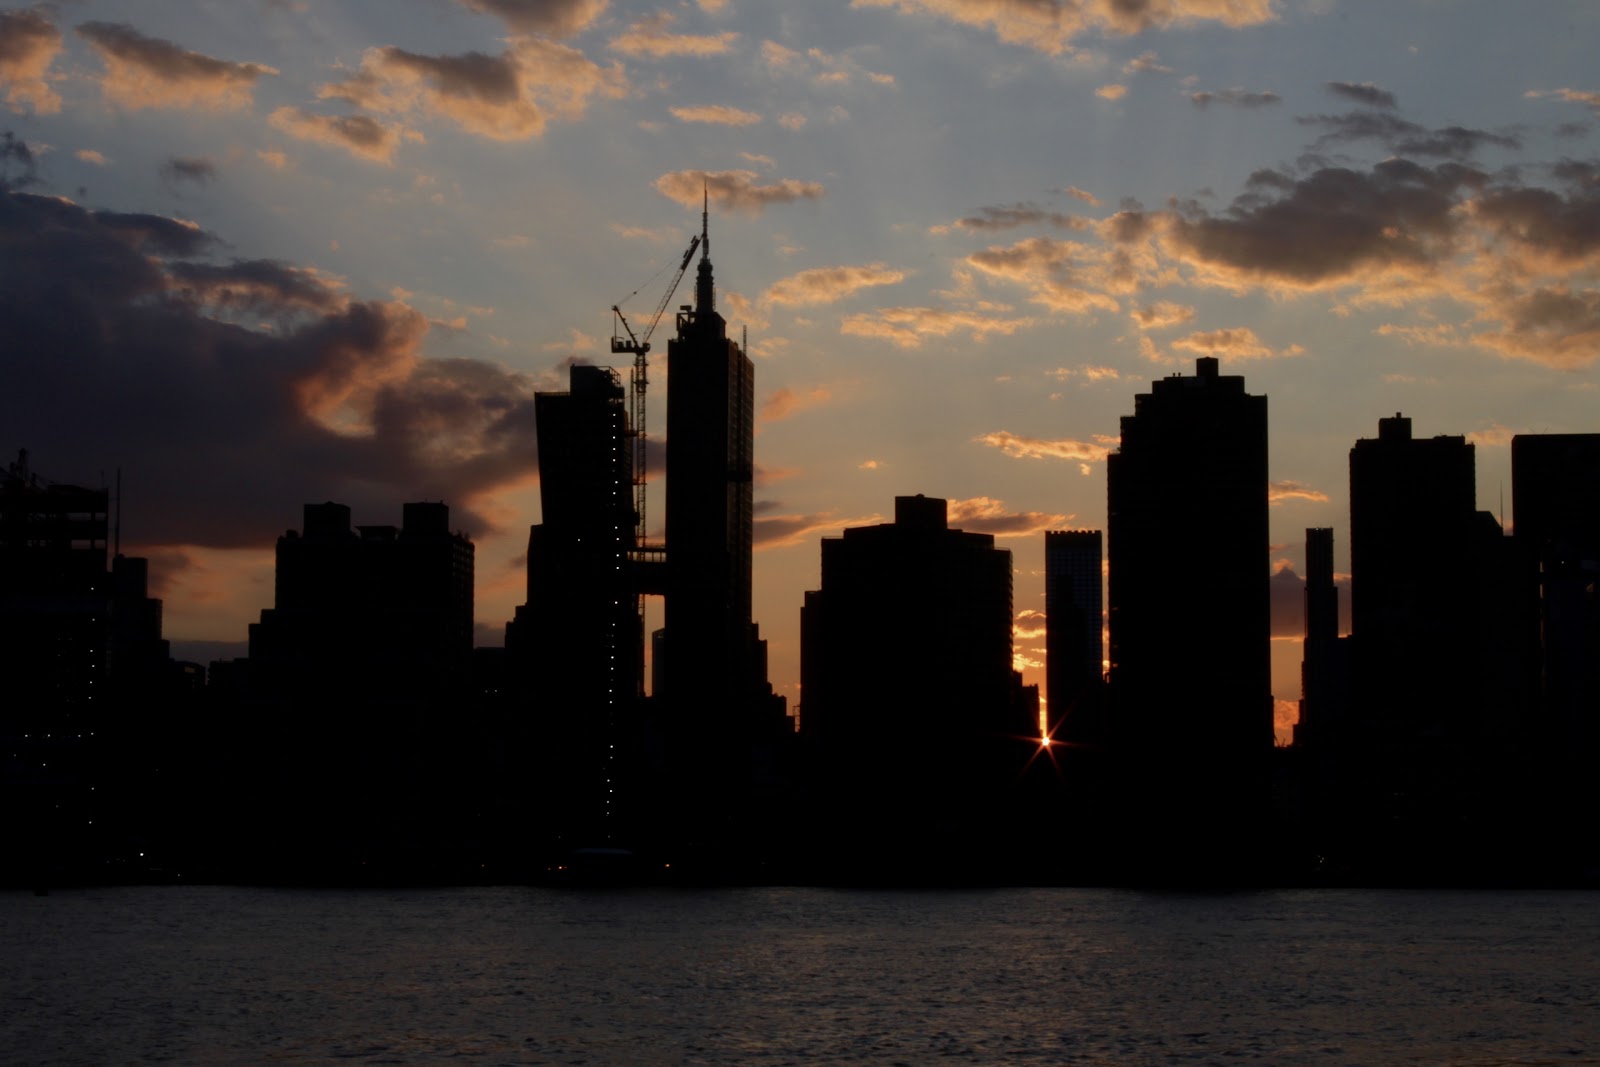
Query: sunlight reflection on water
(216, 975)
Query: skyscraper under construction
(717, 709)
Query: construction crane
(639, 346)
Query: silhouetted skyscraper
(1187, 540)
(577, 647)
(359, 673)
(1074, 646)
(1319, 669)
(710, 674)
(1555, 492)
(907, 703)
(1436, 681)
(1190, 679)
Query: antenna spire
(705, 293)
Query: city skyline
(921, 218)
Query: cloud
(1364, 93)
(1011, 216)
(1522, 261)
(1236, 98)
(1079, 194)
(820, 67)
(785, 402)
(1050, 26)
(735, 190)
(1278, 492)
(507, 97)
(791, 120)
(1403, 137)
(909, 327)
(553, 18)
(983, 514)
(198, 169)
(360, 135)
(1285, 716)
(146, 72)
(648, 37)
(89, 155)
(1087, 372)
(1063, 275)
(1145, 63)
(29, 43)
(784, 531)
(1111, 92)
(716, 115)
(1586, 97)
(227, 428)
(1240, 342)
(1041, 448)
(825, 285)
(1029, 624)
(1161, 315)
(1495, 436)
(1286, 594)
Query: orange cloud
(981, 514)
(1063, 275)
(824, 285)
(1161, 314)
(785, 402)
(784, 531)
(716, 115)
(648, 37)
(1278, 492)
(360, 135)
(737, 190)
(908, 327)
(1040, 448)
(29, 43)
(1051, 27)
(1111, 92)
(508, 97)
(149, 72)
(1285, 716)
(553, 18)
(1240, 342)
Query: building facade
(1074, 626)
(909, 712)
(1190, 672)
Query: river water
(219, 975)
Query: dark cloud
(223, 429)
(1332, 223)
(1236, 98)
(197, 169)
(736, 190)
(1404, 137)
(15, 151)
(1363, 93)
(1011, 216)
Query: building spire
(705, 293)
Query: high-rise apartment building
(1074, 645)
(1187, 548)
(908, 709)
(576, 648)
(1190, 687)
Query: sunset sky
(264, 252)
